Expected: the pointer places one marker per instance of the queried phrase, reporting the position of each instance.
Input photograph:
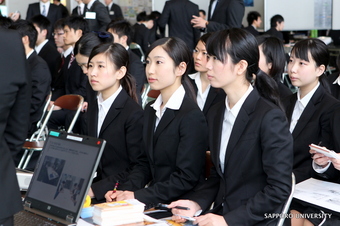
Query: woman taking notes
(249, 140)
(174, 131)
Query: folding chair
(138, 50)
(287, 204)
(71, 102)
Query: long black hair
(179, 52)
(119, 56)
(318, 52)
(239, 45)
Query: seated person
(254, 22)
(141, 34)
(277, 24)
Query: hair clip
(101, 34)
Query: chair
(137, 50)
(287, 204)
(144, 95)
(36, 142)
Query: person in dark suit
(115, 11)
(45, 48)
(14, 105)
(309, 110)
(79, 10)
(207, 96)
(121, 31)
(277, 24)
(40, 82)
(254, 22)
(45, 8)
(273, 61)
(141, 31)
(249, 140)
(99, 16)
(177, 14)
(73, 77)
(115, 116)
(64, 10)
(222, 14)
(156, 32)
(334, 80)
(174, 131)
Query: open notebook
(61, 178)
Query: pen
(186, 218)
(116, 186)
(176, 207)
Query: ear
(241, 67)
(124, 39)
(25, 40)
(121, 72)
(44, 32)
(180, 69)
(270, 65)
(320, 70)
(79, 33)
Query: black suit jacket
(122, 129)
(64, 11)
(275, 33)
(137, 70)
(75, 11)
(173, 157)
(115, 12)
(141, 36)
(102, 17)
(178, 14)
(14, 111)
(215, 95)
(258, 164)
(252, 30)
(54, 14)
(41, 86)
(52, 57)
(227, 14)
(313, 126)
(335, 88)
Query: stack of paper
(117, 213)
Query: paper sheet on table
(320, 193)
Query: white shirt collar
(90, 4)
(109, 5)
(304, 101)
(201, 96)
(46, 4)
(68, 51)
(337, 80)
(39, 47)
(29, 54)
(236, 108)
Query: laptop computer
(62, 178)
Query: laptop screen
(64, 173)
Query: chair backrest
(287, 204)
(138, 50)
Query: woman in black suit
(310, 109)
(249, 140)
(206, 95)
(114, 115)
(174, 132)
(273, 61)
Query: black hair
(59, 24)
(119, 56)
(42, 22)
(141, 16)
(319, 53)
(179, 52)
(238, 44)
(204, 38)
(5, 22)
(88, 41)
(274, 19)
(24, 28)
(155, 15)
(202, 11)
(121, 28)
(275, 54)
(252, 15)
(77, 23)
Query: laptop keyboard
(24, 218)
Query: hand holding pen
(115, 187)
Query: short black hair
(202, 11)
(42, 22)
(5, 22)
(121, 28)
(77, 23)
(142, 16)
(253, 15)
(26, 28)
(59, 24)
(274, 19)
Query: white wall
(259, 7)
(20, 5)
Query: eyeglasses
(59, 34)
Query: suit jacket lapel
(241, 122)
(308, 111)
(167, 117)
(210, 98)
(290, 107)
(216, 137)
(93, 119)
(115, 109)
(149, 131)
